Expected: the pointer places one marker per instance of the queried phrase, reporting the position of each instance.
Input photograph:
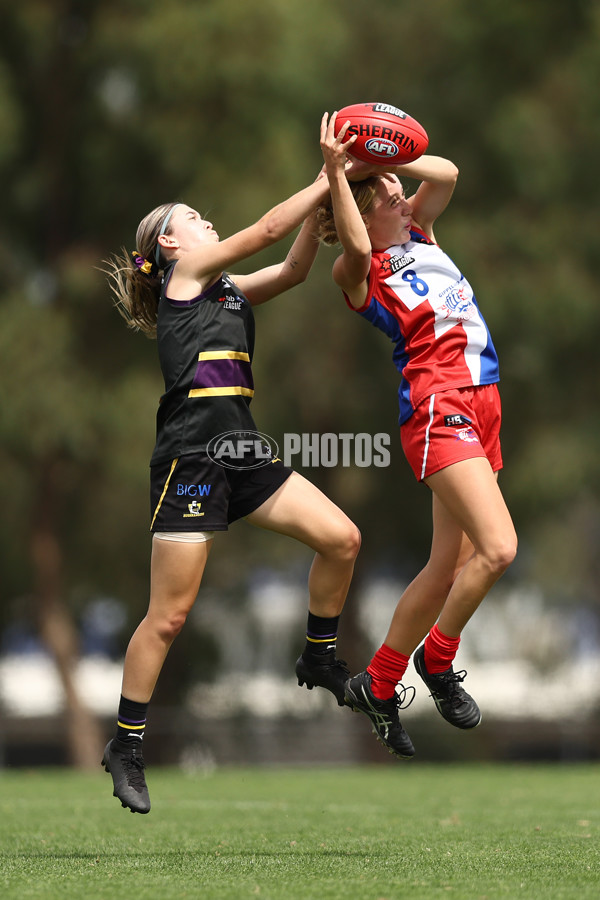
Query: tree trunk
(82, 733)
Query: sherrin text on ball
(384, 133)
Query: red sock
(386, 669)
(440, 651)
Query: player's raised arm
(438, 178)
(351, 269)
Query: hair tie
(144, 265)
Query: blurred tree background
(109, 108)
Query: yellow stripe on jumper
(162, 496)
(223, 354)
(221, 391)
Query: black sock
(132, 720)
(321, 637)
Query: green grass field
(379, 833)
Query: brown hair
(364, 194)
(136, 293)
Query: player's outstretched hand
(334, 148)
(337, 153)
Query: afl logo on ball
(381, 147)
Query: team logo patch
(194, 510)
(467, 435)
(457, 302)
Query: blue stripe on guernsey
(379, 316)
(488, 359)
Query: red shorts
(451, 426)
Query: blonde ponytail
(135, 278)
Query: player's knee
(502, 554)
(347, 542)
(170, 626)
(354, 541)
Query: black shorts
(193, 493)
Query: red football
(385, 134)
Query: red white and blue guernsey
(421, 300)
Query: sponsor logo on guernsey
(194, 510)
(456, 420)
(231, 302)
(392, 264)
